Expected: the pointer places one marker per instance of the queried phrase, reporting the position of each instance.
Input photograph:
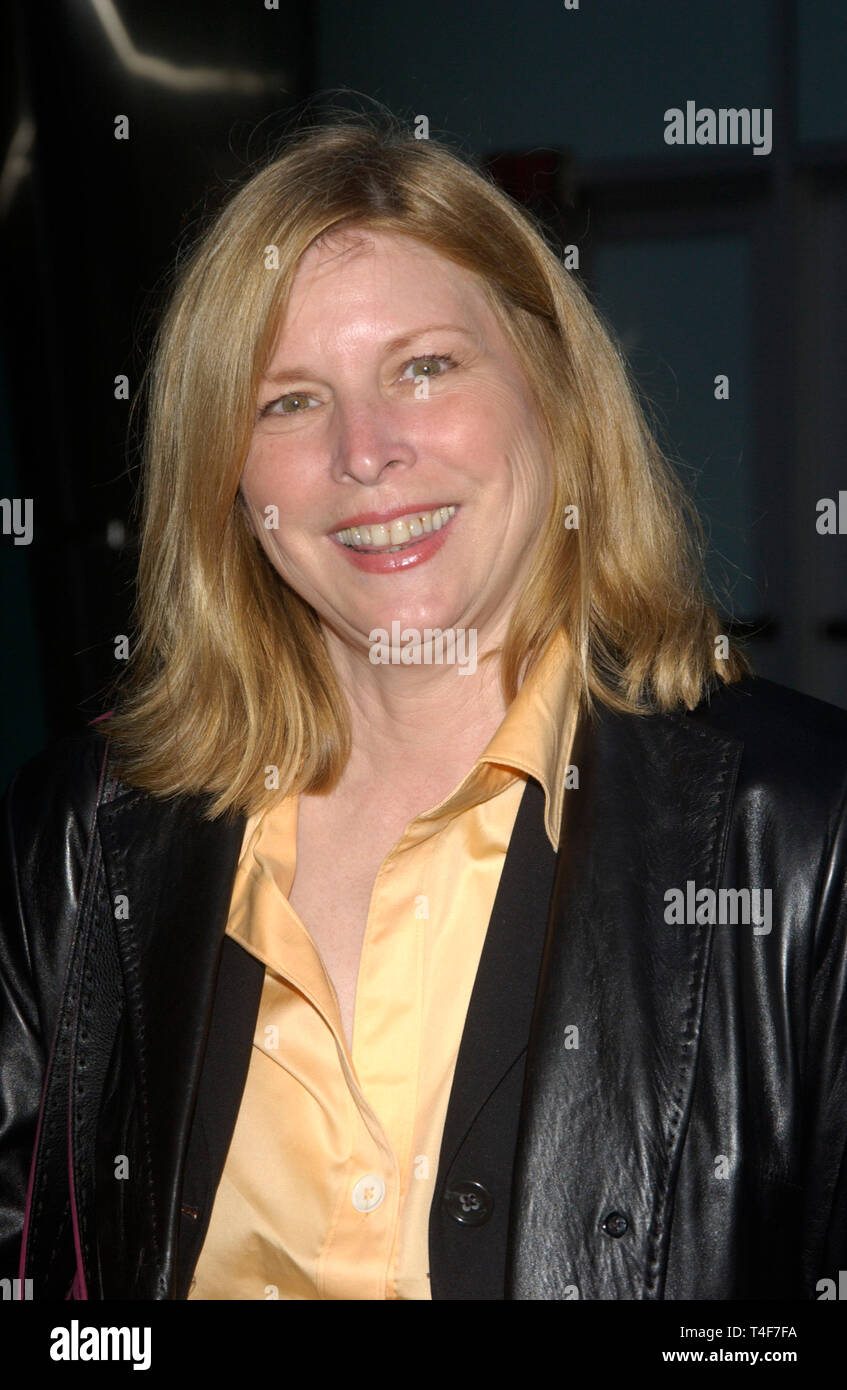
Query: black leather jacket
(648, 1108)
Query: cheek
(274, 478)
(275, 543)
(517, 440)
(261, 491)
(264, 468)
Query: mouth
(389, 537)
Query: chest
(338, 859)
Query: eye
(428, 365)
(294, 403)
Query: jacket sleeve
(825, 1089)
(22, 1047)
(46, 819)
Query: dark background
(706, 260)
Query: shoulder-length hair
(229, 676)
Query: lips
(390, 559)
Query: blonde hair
(229, 673)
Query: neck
(424, 724)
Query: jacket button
(614, 1224)
(469, 1203)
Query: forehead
(357, 272)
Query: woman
(346, 961)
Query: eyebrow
(393, 345)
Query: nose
(370, 438)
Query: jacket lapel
(169, 876)
(500, 1010)
(615, 1035)
(225, 1065)
(478, 1143)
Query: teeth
(395, 534)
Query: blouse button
(368, 1192)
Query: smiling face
(398, 438)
